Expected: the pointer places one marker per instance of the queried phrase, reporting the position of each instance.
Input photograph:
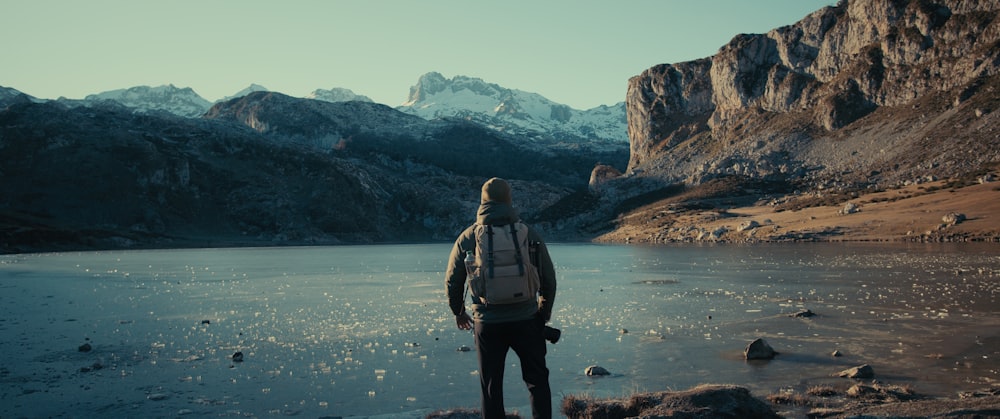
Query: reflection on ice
(337, 331)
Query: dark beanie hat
(496, 190)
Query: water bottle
(470, 262)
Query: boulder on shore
(861, 371)
(953, 218)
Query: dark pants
(528, 342)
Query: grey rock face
(761, 106)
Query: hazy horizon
(577, 53)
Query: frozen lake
(365, 330)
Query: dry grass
(701, 401)
(807, 399)
(589, 407)
(882, 392)
(790, 399)
(821, 391)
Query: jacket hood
(496, 190)
(496, 213)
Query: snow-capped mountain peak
(435, 96)
(337, 94)
(168, 98)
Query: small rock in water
(624, 331)
(595, 370)
(238, 357)
(206, 322)
(464, 348)
(759, 349)
(93, 367)
(836, 352)
(803, 313)
(85, 347)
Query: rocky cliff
(865, 92)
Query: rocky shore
(870, 401)
(933, 211)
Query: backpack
(503, 272)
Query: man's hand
(463, 321)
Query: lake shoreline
(321, 336)
(926, 213)
(918, 213)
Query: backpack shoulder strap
(517, 249)
(489, 249)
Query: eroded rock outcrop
(759, 106)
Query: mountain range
(856, 98)
(264, 168)
(529, 115)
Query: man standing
(499, 327)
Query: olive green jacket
(494, 213)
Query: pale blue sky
(577, 52)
